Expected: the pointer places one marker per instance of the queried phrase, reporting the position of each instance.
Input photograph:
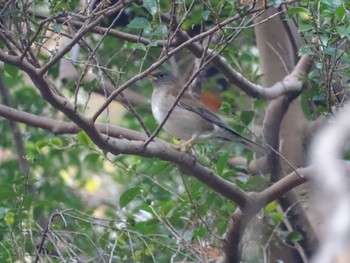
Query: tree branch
(271, 129)
(273, 117)
(17, 136)
(134, 145)
(90, 23)
(232, 238)
(291, 83)
(185, 162)
(287, 183)
(62, 127)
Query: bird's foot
(186, 147)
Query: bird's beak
(152, 76)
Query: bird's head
(162, 79)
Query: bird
(190, 120)
(210, 100)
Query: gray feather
(232, 135)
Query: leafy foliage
(77, 202)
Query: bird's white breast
(182, 123)
(159, 108)
(177, 124)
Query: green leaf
(104, 240)
(340, 12)
(320, 100)
(57, 27)
(131, 220)
(247, 117)
(303, 27)
(277, 216)
(92, 160)
(9, 12)
(221, 163)
(305, 104)
(127, 196)
(30, 200)
(162, 30)
(298, 10)
(136, 46)
(199, 233)
(343, 31)
(151, 6)
(205, 15)
(10, 218)
(60, 6)
(254, 183)
(3, 211)
(225, 108)
(7, 192)
(153, 43)
(139, 22)
(259, 104)
(11, 70)
(84, 139)
(332, 51)
(305, 50)
(41, 144)
(56, 141)
(250, 157)
(40, 206)
(271, 207)
(294, 236)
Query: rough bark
(277, 43)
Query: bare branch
(62, 127)
(291, 83)
(232, 238)
(287, 183)
(90, 23)
(158, 149)
(17, 136)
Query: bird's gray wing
(204, 113)
(212, 117)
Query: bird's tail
(232, 135)
(255, 147)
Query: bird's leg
(186, 145)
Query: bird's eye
(160, 75)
